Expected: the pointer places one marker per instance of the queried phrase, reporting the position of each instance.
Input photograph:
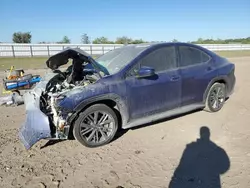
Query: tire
(216, 97)
(87, 126)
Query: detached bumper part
(36, 126)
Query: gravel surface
(149, 156)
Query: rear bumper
(36, 125)
(231, 84)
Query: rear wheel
(216, 97)
(96, 126)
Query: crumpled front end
(36, 125)
(51, 102)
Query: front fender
(121, 104)
(75, 96)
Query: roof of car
(147, 44)
(150, 44)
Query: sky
(151, 20)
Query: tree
(221, 41)
(85, 39)
(174, 40)
(199, 41)
(65, 40)
(123, 40)
(138, 41)
(21, 37)
(44, 42)
(102, 40)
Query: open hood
(62, 57)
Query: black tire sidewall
(82, 115)
(208, 105)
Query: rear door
(197, 70)
(157, 93)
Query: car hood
(62, 57)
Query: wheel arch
(112, 100)
(220, 79)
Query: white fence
(30, 50)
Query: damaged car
(126, 87)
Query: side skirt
(162, 115)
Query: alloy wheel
(217, 97)
(97, 127)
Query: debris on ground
(11, 100)
(6, 100)
(13, 83)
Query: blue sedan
(124, 88)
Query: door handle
(175, 78)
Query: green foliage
(21, 37)
(25, 37)
(138, 41)
(102, 40)
(123, 40)
(65, 40)
(220, 41)
(174, 40)
(85, 39)
(119, 40)
(44, 42)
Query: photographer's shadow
(201, 164)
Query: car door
(196, 69)
(157, 93)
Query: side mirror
(145, 72)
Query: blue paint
(153, 93)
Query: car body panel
(147, 96)
(194, 82)
(138, 100)
(63, 56)
(36, 125)
(163, 114)
(121, 103)
(120, 88)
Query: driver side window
(161, 59)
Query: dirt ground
(144, 157)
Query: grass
(236, 53)
(23, 62)
(39, 62)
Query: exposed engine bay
(74, 77)
(50, 104)
(70, 79)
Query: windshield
(113, 61)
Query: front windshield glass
(113, 61)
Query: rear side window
(192, 56)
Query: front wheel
(216, 97)
(96, 126)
